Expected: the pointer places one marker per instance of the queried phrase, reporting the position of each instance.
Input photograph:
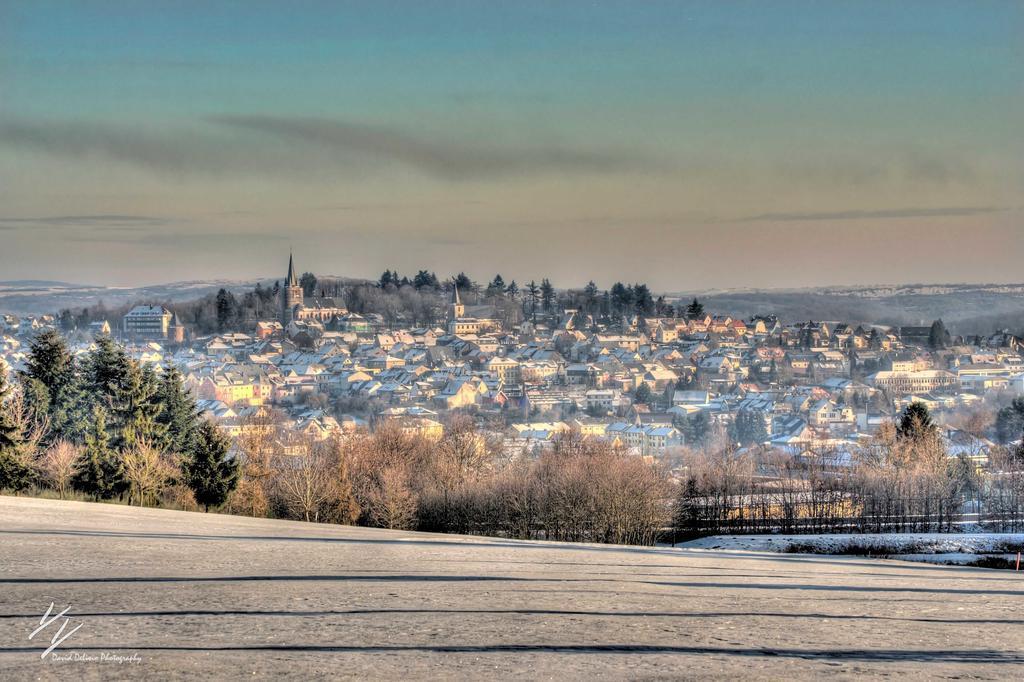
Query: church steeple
(291, 294)
(455, 309)
(292, 281)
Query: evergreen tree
(590, 298)
(621, 299)
(15, 471)
(227, 307)
(179, 416)
(100, 473)
(643, 303)
(135, 407)
(464, 283)
(642, 393)
(496, 288)
(1010, 421)
(916, 422)
(512, 290)
(51, 366)
(696, 428)
(532, 300)
(209, 471)
(547, 296)
(748, 428)
(695, 311)
(308, 283)
(938, 337)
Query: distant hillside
(39, 297)
(966, 308)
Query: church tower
(456, 309)
(291, 294)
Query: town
(650, 383)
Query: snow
(862, 543)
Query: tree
(51, 367)
(938, 337)
(135, 407)
(532, 300)
(696, 429)
(210, 471)
(695, 311)
(547, 296)
(642, 393)
(16, 472)
(308, 283)
(916, 423)
(179, 416)
(512, 290)
(100, 472)
(748, 428)
(226, 309)
(1010, 421)
(496, 289)
(643, 303)
(57, 465)
(464, 283)
(147, 471)
(590, 298)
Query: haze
(688, 145)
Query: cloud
(444, 158)
(97, 222)
(887, 214)
(280, 145)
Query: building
(291, 296)
(147, 322)
(296, 308)
(913, 382)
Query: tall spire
(292, 282)
(455, 294)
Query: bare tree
(57, 465)
(148, 471)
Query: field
(163, 595)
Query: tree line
(421, 300)
(107, 427)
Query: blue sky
(792, 139)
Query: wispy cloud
(886, 214)
(451, 159)
(280, 146)
(100, 222)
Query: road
(160, 594)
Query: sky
(687, 144)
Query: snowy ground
(165, 595)
(989, 550)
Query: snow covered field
(902, 543)
(157, 594)
(964, 549)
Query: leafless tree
(57, 465)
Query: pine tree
(179, 417)
(100, 473)
(532, 299)
(547, 295)
(916, 422)
(51, 366)
(135, 407)
(938, 337)
(209, 471)
(15, 474)
(695, 310)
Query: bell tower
(291, 294)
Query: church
(295, 307)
